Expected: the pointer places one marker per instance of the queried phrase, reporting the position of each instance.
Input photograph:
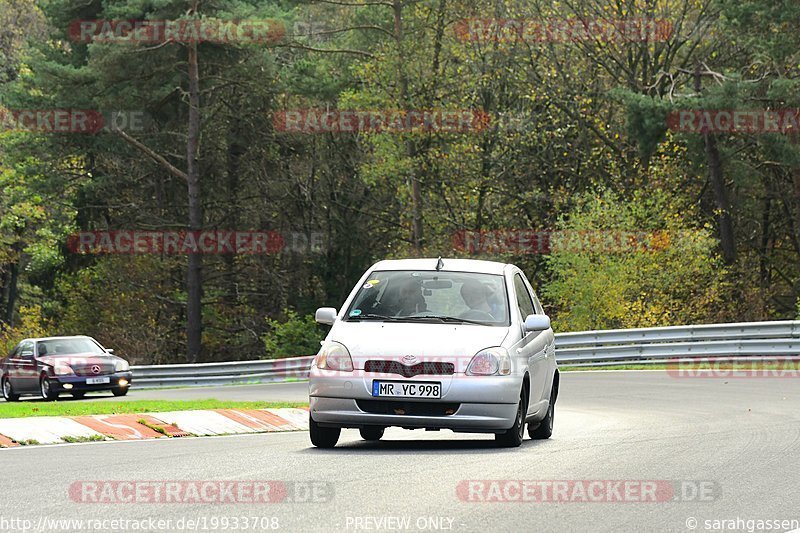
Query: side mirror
(326, 315)
(27, 354)
(537, 323)
(110, 350)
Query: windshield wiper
(440, 318)
(373, 317)
(447, 319)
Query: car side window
(25, 348)
(524, 302)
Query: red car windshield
(68, 347)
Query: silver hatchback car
(436, 344)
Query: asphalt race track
(737, 439)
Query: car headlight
(490, 362)
(121, 365)
(334, 356)
(62, 369)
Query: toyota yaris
(436, 344)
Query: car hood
(79, 359)
(387, 341)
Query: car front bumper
(472, 404)
(79, 382)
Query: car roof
(450, 265)
(37, 339)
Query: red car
(49, 366)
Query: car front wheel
(513, 437)
(323, 437)
(120, 391)
(46, 389)
(545, 428)
(8, 391)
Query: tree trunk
(411, 150)
(724, 219)
(194, 275)
(796, 180)
(723, 205)
(234, 159)
(13, 278)
(763, 263)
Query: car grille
(86, 369)
(394, 367)
(384, 407)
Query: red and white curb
(201, 423)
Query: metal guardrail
(747, 341)
(213, 374)
(705, 332)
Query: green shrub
(31, 324)
(297, 336)
(676, 278)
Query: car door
(10, 369)
(533, 347)
(25, 376)
(551, 342)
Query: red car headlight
(63, 370)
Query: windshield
(68, 347)
(432, 296)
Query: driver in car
(411, 300)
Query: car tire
(46, 389)
(323, 437)
(78, 395)
(120, 391)
(513, 437)
(8, 391)
(545, 428)
(371, 433)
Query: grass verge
(84, 407)
(619, 367)
(93, 438)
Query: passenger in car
(476, 296)
(498, 310)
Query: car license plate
(97, 381)
(406, 389)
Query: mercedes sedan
(436, 344)
(50, 366)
